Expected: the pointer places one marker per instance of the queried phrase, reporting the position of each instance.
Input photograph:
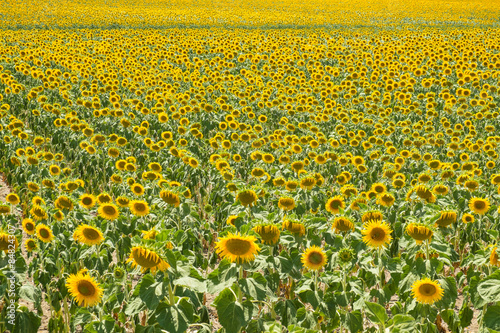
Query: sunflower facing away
(145, 258)
(427, 291)
(269, 233)
(88, 235)
(237, 248)
(84, 289)
(446, 218)
(342, 223)
(247, 197)
(286, 203)
(479, 206)
(419, 232)
(376, 233)
(170, 197)
(314, 258)
(5, 242)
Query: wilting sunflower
(5, 241)
(88, 235)
(84, 289)
(440, 189)
(170, 197)
(286, 203)
(12, 198)
(30, 244)
(269, 233)
(372, 215)
(108, 211)
(38, 213)
(468, 218)
(237, 248)
(307, 183)
(494, 257)
(147, 259)
(427, 291)
(386, 199)
(139, 207)
(419, 232)
(423, 192)
(334, 204)
(104, 198)
(63, 202)
(295, 227)
(44, 233)
(479, 206)
(87, 201)
(247, 197)
(342, 223)
(29, 226)
(314, 258)
(446, 218)
(150, 234)
(376, 233)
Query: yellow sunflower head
(314, 258)
(237, 248)
(139, 207)
(376, 233)
(12, 198)
(372, 215)
(87, 201)
(88, 235)
(335, 204)
(269, 233)
(468, 218)
(6, 240)
(247, 197)
(419, 232)
(30, 244)
(29, 226)
(170, 197)
(84, 289)
(427, 291)
(494, 257)
(479, 206)
(342, 223)
(44, 233)
(446, 218)
(147, 259)
(294, 226)
(286, 203)
(108, 211)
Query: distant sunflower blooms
(269, 233)
(376, 233)
(108, 211)
(147, 259)
(122, 201)
(44, 233)
(379, 188)
(104, 198)
(342, 224)
(307, 182)
(468, 218)
(87, 201)
(335, 204)
(30, 244)
(29, 226)
(386, 199)
(170, 198)
(479, 206)
(446, 218)
(427, 291)
(286, 203)
(84, 289)
(137, 189)
(495, 179)
(150, 234)
(494, 257)
(63, 202)
(38, 213)
(88, 235)
(139, 207)
(440, 189)
(424, 193)
(314, 258)
(419, 232)
(295, 227)
(247, 197)
(12, 198)
(237, 248)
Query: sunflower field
(249, 166)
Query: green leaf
(353, 320)
(404, 324)
(450, 293)
(31, 293)
(82, 317)
(174, 319)
(489, 290)
(232, 314)
(26, 321)
(134, 307)
(492, 318)
(376, 312)
(254, 286)
(192, 283)
(466, 314)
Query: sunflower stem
(240, 277)
(381, 268)
(316, 272)
(66, 315)
(171, 294)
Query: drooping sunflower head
(440, 189)
(6, 240)
(139, 207)
(427, 291)
(38, 213)
(446, 218)
(372, 215)
(122, 201)
(84, 289)
(376, 233)
(237, 248)
(247, 197)
(294, 226)
(386, 199)
(335, 204)
(108, 211)
(479, 206)
(44, 233)
(170, 198)
(269, 233)
(286, 203)
(104, 198)
(422, 192)
(419, 232)
(147, 259)
(314, 258)
(63, 202)
(342, 223)
(88, 235)
(307, 182)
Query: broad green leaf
(489, 290)
(376, 312)
(232, 314)
(254, 286)
(353, 320)
(26, 321)
(492, 318)
(31, 293)
(192, 283)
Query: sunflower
(150, 234)
(376, 233)
(30, 244)
(427, 291)
(291, 185)
(342, 223)
(440, 189)
(104, 198)
(269, 233)
(419, 232)
(378, 187)
(137, 189)
(468, 218)
(286, 203)
(139, 207)
(494, 257)
(237, 248)
(63, 202)
(6, 240)
(170, 197)
(38, 213)
(29, 226)
(230, 220)
(4, 209)
(307, 183)
(386, 199)
(59, 216)
(423, 192)
(314, 258)
(88, 235)
(108, 211)
(84, 289)
(446, 218)
(44, 233)
(12, 198)
(479, 206)
(87, 201)
(333, 205)
(247, 197)
(295, 227)
(346, 255)
(147, 259)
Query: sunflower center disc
(86, 288)
(44, 233)
(140, 207)
(87, 201)
(427, 289)
(378, 234)
(238, 246)
(315, 258)
(90, 233)
(479, 205)
(109, 210)
(29, 226)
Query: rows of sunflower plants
(244, 180)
